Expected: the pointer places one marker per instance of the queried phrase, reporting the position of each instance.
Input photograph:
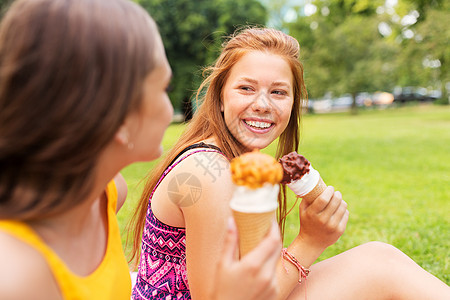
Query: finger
(333, 205)
(343, 224)
(342, 209)
(337, 217)
(269, 247)
(321, 202)
(231, 243)
(303, 206)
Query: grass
(393, 169)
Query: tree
(425, 56)
(342, 49)
(192, 32)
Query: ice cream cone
(253, 212)
(252, 227)
(309, 186)
(254, 203)
(315, 192)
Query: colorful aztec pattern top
(162, 270)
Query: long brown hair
(209, 121)
(70, 72)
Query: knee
(383, 253)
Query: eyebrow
(280, 83)
(248, 79)
(276, 83)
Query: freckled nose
(262, 103)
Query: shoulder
(24, 274)
(206, 177)
(207, 166)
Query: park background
(390, 160)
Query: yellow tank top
(111, 280)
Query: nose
(262, 103)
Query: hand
(323, 221)
(252, 277)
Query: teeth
(258, 124)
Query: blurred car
(321, 106)
(344, 102)
(435, 94)
(410, 93)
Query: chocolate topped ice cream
(294, 167)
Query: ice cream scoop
(254, 169)
(301, 177)
(294, 167)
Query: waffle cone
(252, 227)
(315, 192)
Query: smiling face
(258, 98)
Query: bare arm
(206, 222)
(322, 222)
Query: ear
(221, 106)
(122, 135)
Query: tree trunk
(354, 109)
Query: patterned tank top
(162, 270)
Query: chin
(259, 146)
(154, 154)
(251, 142)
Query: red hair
(209, 121)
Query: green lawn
(393, 169)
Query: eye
(279, 92)
(246, 88)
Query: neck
(74, 220)
(78, 218)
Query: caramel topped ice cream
(255, 169)
(295, 166)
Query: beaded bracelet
(303, 272)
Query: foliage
(342, 51)
(277, 11)
(423, 6)
(192, 32)
(345, 51)
(425, 58)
